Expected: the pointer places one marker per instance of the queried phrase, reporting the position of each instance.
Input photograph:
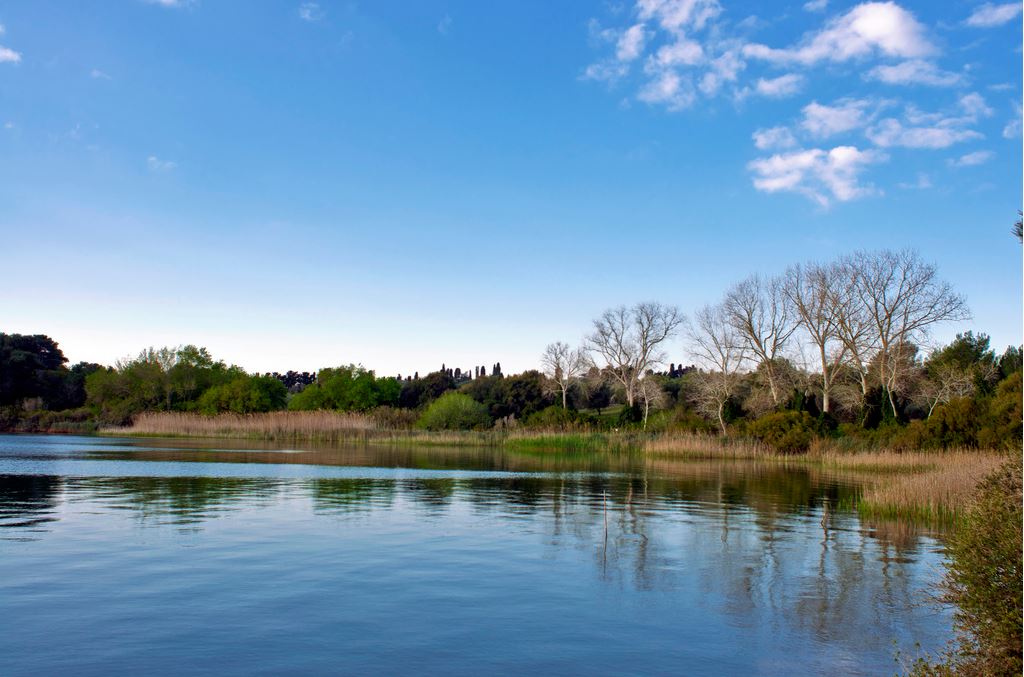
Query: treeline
(822, 350)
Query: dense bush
(556, 417)
(393, 418)
(349, 388)
(244, 395)
(455, 411)
(784, 431)
(985, 580)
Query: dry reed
(314, 425)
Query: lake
(147, 556)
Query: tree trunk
(721, 418)
(564, 398)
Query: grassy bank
(932, 487)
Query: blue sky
(297, 184)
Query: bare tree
(853, 322)
(563, 365)
(629, 341)
(809, 291)
(720, 350)
(760, 312)
(903, 297)
(947, 382)
(650, 391)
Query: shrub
(555, 417)
(392, 418)
(455, 411)
(1002, 426)
(244, 395)
(984, 580)
(784, 431)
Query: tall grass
(939, 494)
(275, 425)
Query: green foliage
(244, 395)
(556, 418)
(30, 367)
(1003, 425)
(349, 388)
(784, 431)
(985, 580)
(455, 411)
(165, 379)
(518, 396)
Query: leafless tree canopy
(903, 298)
(563, 365)
(763, 317)
(808, 289)
(631, 340)
(720, 350)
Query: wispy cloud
(774, 138)
(97, 74)
(816, 5)
(914, 72)
(989, 15)
(869, 28)
(820, 175)
(311, 11)
(923, 182)
(155, 164)
(782, 86)
(444, 26)
(1012, 128)
(173, 4)
(822, 121)
(971, 159)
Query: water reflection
(699, 556)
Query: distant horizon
(300, 185)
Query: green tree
(454, 411)
(244, 395)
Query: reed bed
(275, 425)
(938, 495)
(698, 446)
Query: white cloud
(675, 15)
(681, 52)
(8, 125)
(2, 29)
(816, 5)
(974, 105)
(605, 71)
(774, 138)
(669, 89)
(1012, 128)
(914, 72)
(892, 132)
(884, 27)
(782, 86)
(923, 182)
(971, 159)
(97, 74)
(725, 68)
(9, 55)
(989, 15)
(310, 11)
(847, 114)
(816, 173)
(631, 43)
(155, 164)
(171, 3)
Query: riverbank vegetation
(836, 354)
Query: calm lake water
(132, 556)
